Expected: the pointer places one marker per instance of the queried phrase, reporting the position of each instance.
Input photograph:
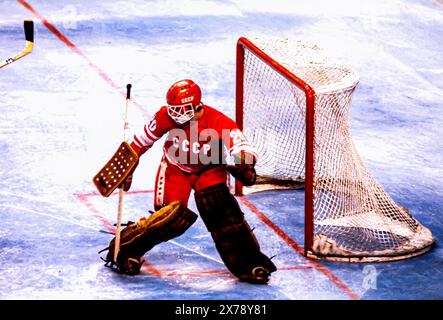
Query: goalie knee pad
(138, 238)
(236, 243)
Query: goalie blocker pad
(138, 238)
(116, 170)
(236, 243)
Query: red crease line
(292, 243)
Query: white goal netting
(354, 218)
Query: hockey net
(293, 104)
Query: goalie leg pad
(236, 243)
(138, 238)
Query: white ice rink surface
(62, 110)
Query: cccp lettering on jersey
(195, 147)
(199, 148)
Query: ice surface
(61, 120)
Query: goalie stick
(121, 192)
(29, 36)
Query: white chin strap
(181, 113)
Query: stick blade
(29, 30)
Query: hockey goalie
(198, 142)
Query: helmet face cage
(183, 97)
(181, 113)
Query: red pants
(172, 183)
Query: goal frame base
(348, 216)
(370, 259)
(263, 184)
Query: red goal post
(290, 90)
(310, 102)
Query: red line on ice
(292, 243)
(76, 50)
(148, 267)
(83, 198)
(96, 193)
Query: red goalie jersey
(195, 145)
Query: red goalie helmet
(183, 97)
